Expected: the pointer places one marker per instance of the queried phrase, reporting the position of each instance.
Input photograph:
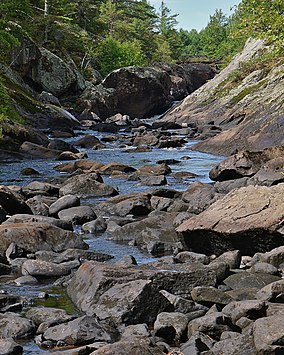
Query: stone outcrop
(249, 111)
(144, 91)
(248, 219)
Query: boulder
(79, 164)
(209, 295)
(131, 345)
(80, 331)
(109, 168)
(33, 150)
(251, 309)
(268, 333)
(131, 295)
(199, 196)
(134, 91)
(153, 180)
(246, 219)
(156, 234)
(238, 344)
(39, 268)
(28, 218)
(38, 236)
(274, 257)
(273, 292)
(40, 188)
(212, 324)
(246, 279)
(14, 326)
(77, 215)
(50, 315)
(59, 144)
(171, 326)
(39, 204)
(54, 75)
(10, 347)
(87, 185)
(88, 142)
(63, 203)
(12, 202)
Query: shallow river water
(190, 161)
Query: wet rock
(88, 142)
(27, 218)
(126, 261)
(80, 331)
(147, 139)
(38, 236)
(246, 219)
(109, 168)
(29, 172)
(131, 345)
(40, 188)
(273, 292)
(268, 334)
(251, 309)
(71, 156)
(212, 324)
(84, 165)
(39, 268)
(209, 295)
(153, 180)
(98, 225)
(77, 215)
(171, 143)
(171, 326)
(7, 301)
(160, 169)
(33, 150)
(63, 203)
(11, 202)
(16, 327)
(10, 347)
(59, 144)
(247, 280)
(87, 185)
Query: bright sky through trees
(195, 13)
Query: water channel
(190, 161)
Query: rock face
(53, 74)
(144, 91)
(249, 111)
(248, 219)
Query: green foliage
(112, 54)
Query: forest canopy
(108, 34)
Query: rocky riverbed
(115, 240)
(192, 266)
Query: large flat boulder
(248, 219)
(33, 236)
(131, 295)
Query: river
(190, 161)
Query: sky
(195, 13)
